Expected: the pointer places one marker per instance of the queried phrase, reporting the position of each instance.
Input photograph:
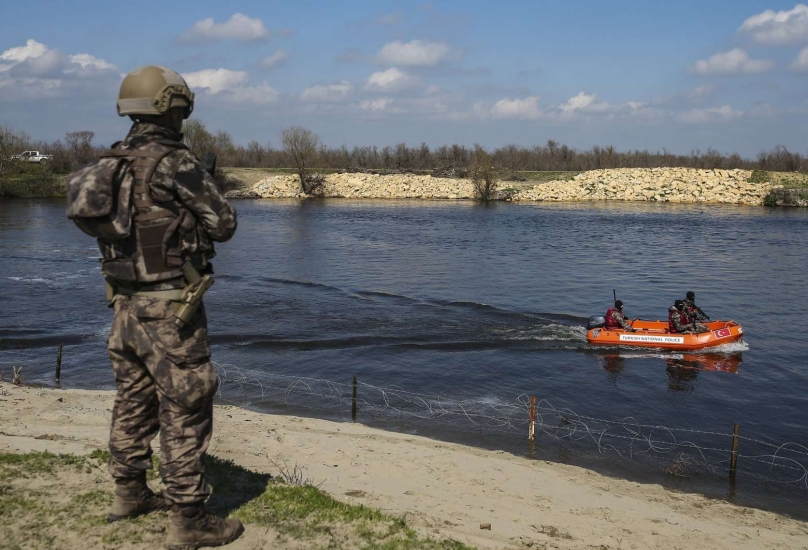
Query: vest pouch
(150, 240)
(121, 269)
(99, 198)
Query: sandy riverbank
(445, 490)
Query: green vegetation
(759, 176)
(61, 501)
(29, 181)
(789, 179)
(542, 177)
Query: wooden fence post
(59, 364)
(353, 400)
(733, 461)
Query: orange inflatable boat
(655, 334)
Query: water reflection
(682, 368)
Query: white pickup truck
(33, 156)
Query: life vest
(611, 324)
(683, 319)
(144, 243)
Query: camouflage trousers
(165, 382)
(697, 329)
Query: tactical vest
(691, 310)
(610, 322)
(671, 316)
(151, 252)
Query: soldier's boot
(134, 498)
(193, 527)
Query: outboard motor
(596, 321)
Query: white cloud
(800, 62)
(276, 59)
(524, 109)
(90, 61)
(695, 116)
(778, 27)
(416, 53)
(260, 94)
(19, 54)
(232, 86)
(216, 80)
(238, 27)
(34, 71)
(735, 61)
(391, 80)
(375, 104)
(583, 103)
(644, 110)
(51, 64)
(328, 92)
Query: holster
(196, 287)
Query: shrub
(484, 177)
(759, 176)
(302, 145)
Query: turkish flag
(722, 333)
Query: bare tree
(302, 145)
(11, 143)
(197, 137)
(77, 148)
(80, 146)
(484, 177)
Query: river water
(479, 302)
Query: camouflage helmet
(153, 90)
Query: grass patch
(789, 179)
(543, 177)
(61, 501)
(30, 465)
(32, 186)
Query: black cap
(691, 295)
(679, 304)
(618, 304)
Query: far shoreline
(641, 185)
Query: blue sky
(682, 76)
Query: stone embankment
(653, 184)
(370, 186)
(682, 185)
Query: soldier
(679, 321)
(615, 319)
(153, 261)
(694, 312)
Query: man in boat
(679, 320)
(615, 319)
(694, 312)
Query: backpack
(99, 194)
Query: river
(484, 303)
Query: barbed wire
(626, 438)
(781, 463)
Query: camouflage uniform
(690, 328)
(163, 373)
(693, 311)
(675, 317)
(618, 318)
